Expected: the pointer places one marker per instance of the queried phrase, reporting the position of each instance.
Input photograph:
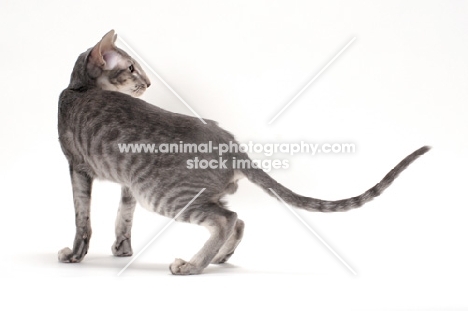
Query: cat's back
(78, 107)
(93, 108)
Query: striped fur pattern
(315, 205)
(99, 110)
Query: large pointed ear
(104, 55)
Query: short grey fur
(99, 110)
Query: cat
(99, 109)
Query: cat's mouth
(138, 90)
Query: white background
(402, 84)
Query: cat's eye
(131, 68)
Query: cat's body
(154, 178)
(95, 116)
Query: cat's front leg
(123, 224)
(82, 184)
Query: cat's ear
(104, 54)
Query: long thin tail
(262, 179)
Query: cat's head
(107, 67)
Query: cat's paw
(122, 249)
(66, 255)
(182, 267)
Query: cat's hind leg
(231, 244)
(81, 184)
(220, 222)
(122, 246)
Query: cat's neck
(80, 80)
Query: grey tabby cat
(99, 109)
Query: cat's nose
(148, 84)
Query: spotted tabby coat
(99, 109)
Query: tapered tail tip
(423, 150)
